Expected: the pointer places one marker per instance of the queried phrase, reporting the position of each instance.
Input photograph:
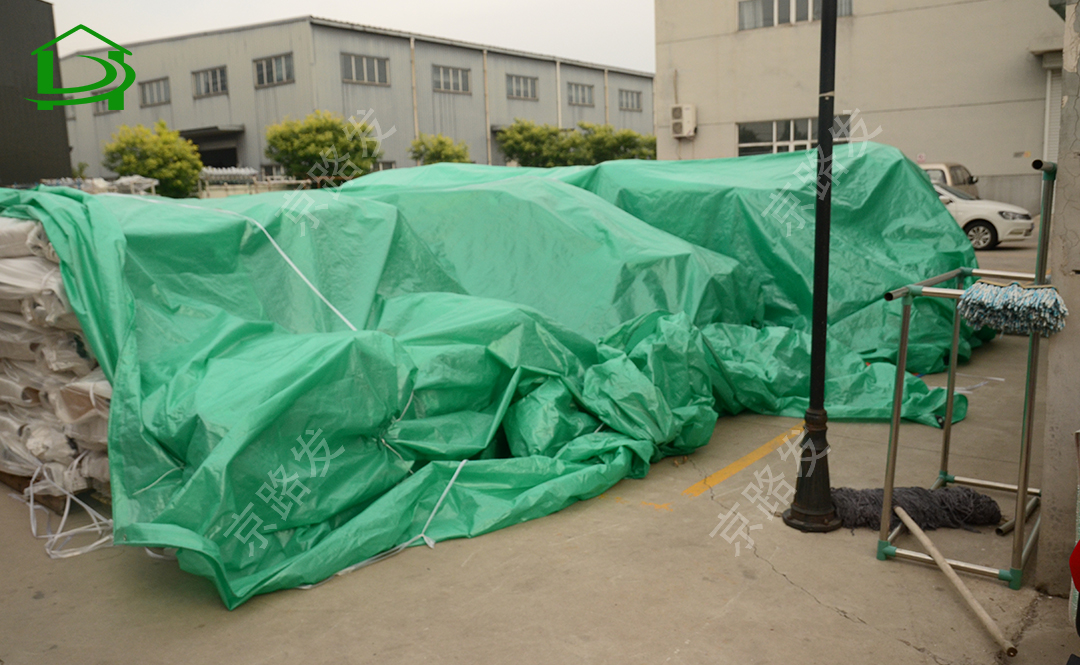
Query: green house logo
(113, 67)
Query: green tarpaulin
(887, 230)
(299, 377)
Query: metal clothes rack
(1027, 498)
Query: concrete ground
(630, 577)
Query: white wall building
(975, 82)
(223, 88)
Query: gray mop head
(953, 507)
(1013, 308)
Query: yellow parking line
(702, 486)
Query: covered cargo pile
(54, 400)
(445, 351)
(759, 211)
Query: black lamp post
(812, 508)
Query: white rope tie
(55, 542)
(396, 550)
(407, 405)
(394, 450)
(160, 478)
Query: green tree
(530, 144)
(436, 148)
(604, 143)
(323, 145)
(160, 154)
(80, 170)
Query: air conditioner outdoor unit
(683, 121)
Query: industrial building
(978, 83)
(222, 89)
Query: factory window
(760, 138)
(580, 94)
(382, 166)
(154, 93)
(521, 87)
(766, 13)
(274, 71)
(101, 106)
(365, 69)
(629, 100)
(450, 79)
(210, 82)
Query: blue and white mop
(1013, 308)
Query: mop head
(1013, 308)
(952, 507)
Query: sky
(618, 33)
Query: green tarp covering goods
(439, 352)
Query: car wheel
(982, 235)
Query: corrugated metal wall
(639, 121)
(457, 115)
(573, 114)
(388, 105)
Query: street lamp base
(812, 508)
(797, 519)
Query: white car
(986, 223)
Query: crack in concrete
(850, 617)
(926, 652)
(1027, 620)
(704, 476)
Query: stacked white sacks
(54, 399)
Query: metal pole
(1003, 274)
(1032, 539)
(950, 397)
(992, 485)
(933, 281)
(813, 509)
(1025, 457)
(962, 566)
(1049, 170)
(894, 427)
(935, 292)
(1005, 528)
